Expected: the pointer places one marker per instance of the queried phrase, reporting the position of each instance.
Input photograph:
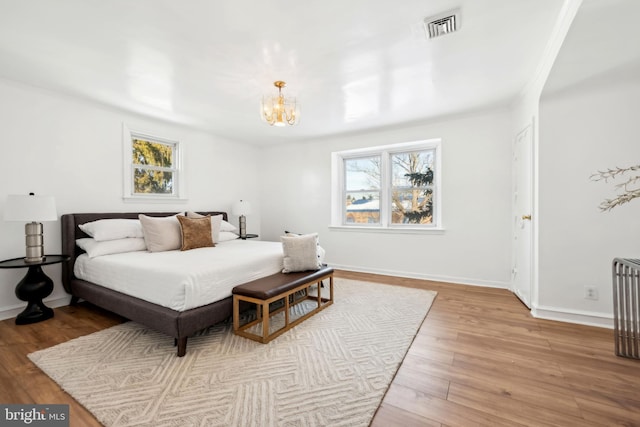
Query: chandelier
(278, 110)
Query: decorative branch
(628, 182)
(612, 173)
(609, 204)
(628, 194)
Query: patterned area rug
(332, 369)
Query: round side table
(34, 287)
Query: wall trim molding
(581, 317)
(559, 314)
(432, 277)
(11, 311)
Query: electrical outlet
(590, 292)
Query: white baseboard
(14, 310)
(589, 318)
(432, 277)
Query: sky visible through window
(362, 174)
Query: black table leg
(33, 288)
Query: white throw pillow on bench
(300, 253)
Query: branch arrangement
(630, 187)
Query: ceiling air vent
(439, 25)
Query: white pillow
(320, 252)
(225, 236)
(227, 226)
(300, 253)
(95, 248)
(161, 233)
(216, 222)
(112, 229)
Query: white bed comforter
(182, 280)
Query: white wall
(583, 130)
(525, 112)
(476, 182)
(71, 149)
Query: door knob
(526, 217)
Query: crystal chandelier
(278, 110)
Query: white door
(522, 208)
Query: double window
(152, 167)
(394, 186)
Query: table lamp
(32, 209)
(241, 209)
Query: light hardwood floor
(479, 359)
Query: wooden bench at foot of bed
(279, 286)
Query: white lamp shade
(241, 207)
(28, 208)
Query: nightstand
(34, 287)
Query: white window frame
(179, 193)
(338, 187)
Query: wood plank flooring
(479, 359)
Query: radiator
(626, 305)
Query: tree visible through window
(394, 185)
(412, 187)
(153, 166)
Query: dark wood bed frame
(177, 324)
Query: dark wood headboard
(71, 232)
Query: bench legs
(264, 316)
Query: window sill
(389, 230)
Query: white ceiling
(353, 64)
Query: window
(152, 167)
(394, 186)
(362, 190)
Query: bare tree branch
(628, 194)
(612, 173)
(621, 199)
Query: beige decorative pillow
(196, 232)
(216, 222)
(161, 233)
(321, 252)
(300, 253)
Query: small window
(152, 167)
(393, 186)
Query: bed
(177, 316)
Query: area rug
(333, 369)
